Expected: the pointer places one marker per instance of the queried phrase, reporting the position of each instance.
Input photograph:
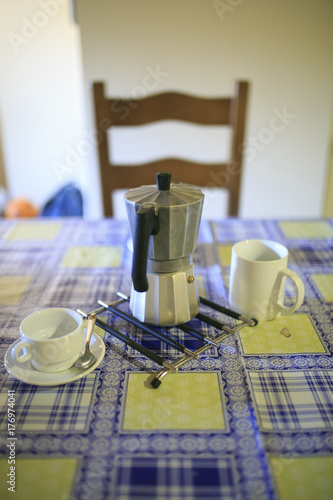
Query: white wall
(283, 48)
(42, 97)
(328, 211)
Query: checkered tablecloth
(251, 419)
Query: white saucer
(28, 374)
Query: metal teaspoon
(87, 358)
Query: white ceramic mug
(257, 280)
(52, 339)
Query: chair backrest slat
(113, 112)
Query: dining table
(249, 418)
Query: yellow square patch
(34, 231)
(324, 283)
(184, 401)
(306, 477)
(92, 256)
(12, 288)
(289, 334)
(224, 252)
(312, 229)
(37, 478)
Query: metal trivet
(188, 355)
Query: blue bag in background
(67, 202)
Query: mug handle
(24, 357)
(299, 292)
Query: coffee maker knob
(163, 180)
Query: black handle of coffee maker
(146, 225)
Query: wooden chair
(115, 112)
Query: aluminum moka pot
(164, 222)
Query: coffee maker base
(171, 299)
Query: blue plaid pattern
(309, 256)
(232, 230)
(62, 409)
(91, 233)
(142, 478)
(292, 395)
(73, 289)
(164, 349)
(293, 400)
(28, 260)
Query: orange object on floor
(20, 207)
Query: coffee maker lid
(165, 194)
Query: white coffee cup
(257, 280)
(52, 339)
